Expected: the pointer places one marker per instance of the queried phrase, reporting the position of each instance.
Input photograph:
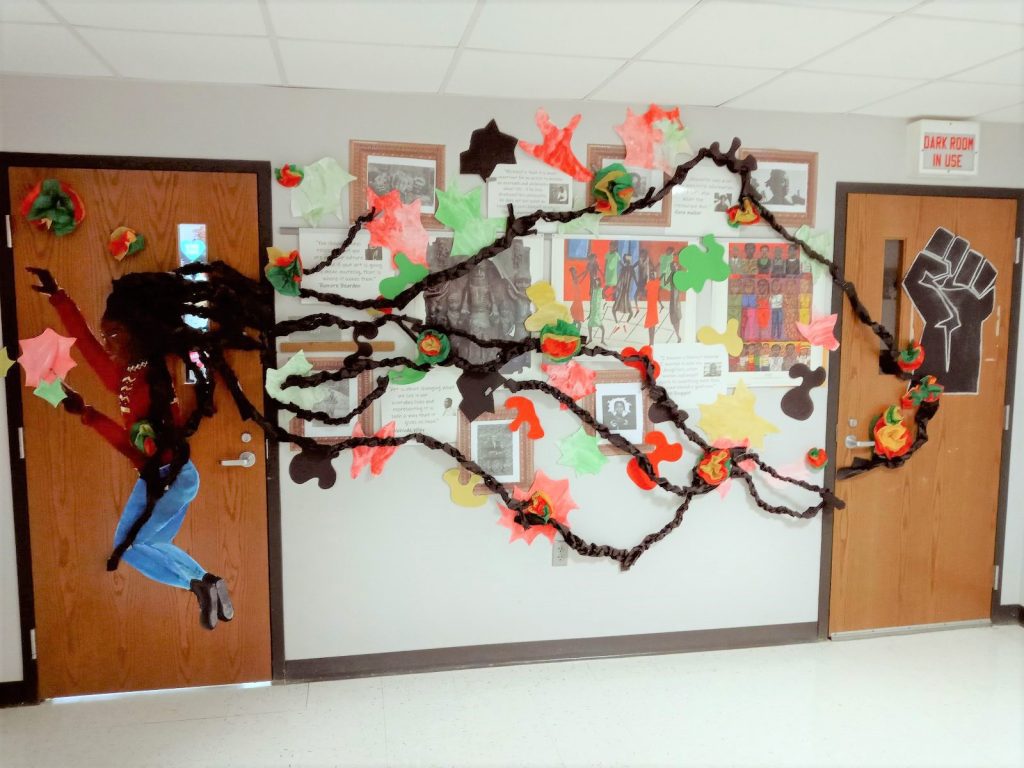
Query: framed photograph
(771, 289)
(658, 215)
(505, 454)
(489, 302)
(786, 183)
(415, 170)
(621, 291)
(620, 403)
(342, 396)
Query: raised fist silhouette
(953, 288)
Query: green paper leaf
(701, 265)
(580, 452)
(406, 375)
(461, 213)
(303, 397)
(587, 223)
(51, 391)
(408, 274)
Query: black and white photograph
(414, 179)
(496, 448)
(374, 253)
(339, 398)
(785, 183)
(490, 302)
(712, 370)
(415, 170)
(558, 193)
(621, 406)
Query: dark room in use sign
(945, 147)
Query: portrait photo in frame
(342, 397)
(621, 403)
(786, 183)
(415, 170)
(506, 454)
(659, 215)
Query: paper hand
(47, 285)
(953, 289)
(73, 403)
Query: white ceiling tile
(512, 75)
(921, 47)
(29, 11)
(684, 84)
(1014, 114)
(573, 28)
(758, 35)
(187, 58)
(1008, 70)
(216, 17)
(45, 49)
(819, 92)
(398, 22)
(868, 6)
(349, 66)
(946, 100)
(1010, 11)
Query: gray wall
(389, 564)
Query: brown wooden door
(916, 545)
(98, 631)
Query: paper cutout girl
(133, 365)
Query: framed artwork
(621, 292)
(489, 302)
(342, 396)
(620, 403)
(771, 289)
(658, 215)
(506, 454)
(786, 183)
(415, 170)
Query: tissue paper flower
(547, 499)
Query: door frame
(843, 192)
(27, 690)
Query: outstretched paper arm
(108, 429)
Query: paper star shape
(375, 457)
(397, 227)
(46, 357)
(673, 144)
(461, 213)
(556, 149)
(51, 391)
(732, 417)
(571, 378)
(5, 362)
(580, 452)
(821, 332)
(320, 190)
(640, 138)
(488, 147)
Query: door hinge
(21, 443)
(995, 578)
(32, 641)
(1006, 419)
(1016, 257)
(10, 241)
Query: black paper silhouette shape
(361, 331)
(797, 403)
(306, 466)
(488, 146)
(953, 289)
(477, 390)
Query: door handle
(852, 442)
(247, 459)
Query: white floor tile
(953, 698)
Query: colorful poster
(621, 291)
(770, 290)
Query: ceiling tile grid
(899, 58)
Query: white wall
(389, 564)
(1013, 557)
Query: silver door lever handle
(247, 459)
(852, 442)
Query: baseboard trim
(1008, 614)
(503, 654)
(16, 692)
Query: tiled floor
(953, 698)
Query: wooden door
(916, 545)
(98, 631)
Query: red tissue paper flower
(546, 498)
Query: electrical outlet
(559, 552)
